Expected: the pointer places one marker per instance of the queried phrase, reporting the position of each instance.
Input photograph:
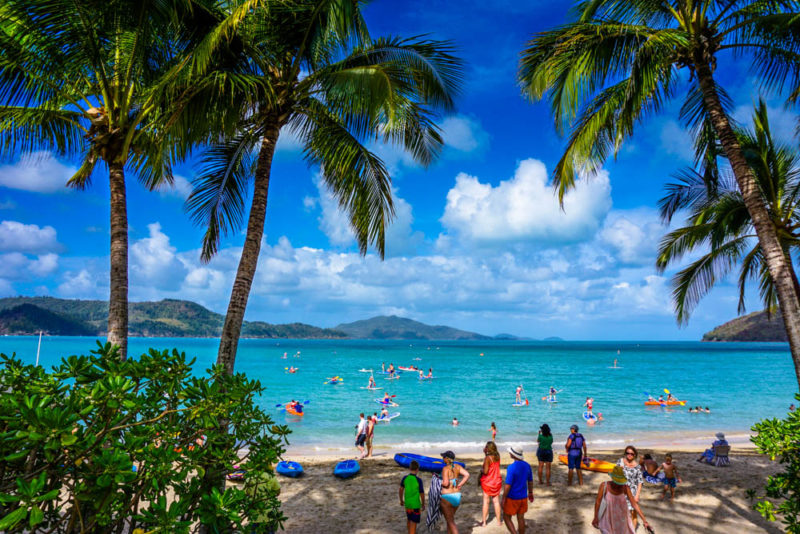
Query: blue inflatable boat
(346, 469)
(426, 463)
(289, 469)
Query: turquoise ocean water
(740, 382)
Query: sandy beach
(711, 499)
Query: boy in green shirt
(412, 496)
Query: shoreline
(694, 441)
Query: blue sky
(478, 243)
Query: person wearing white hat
(515, 494)
(708, 454)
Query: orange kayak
(594, 464)
(666, 403)
(293, 412)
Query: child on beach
(671, 477)
(412, 496)
(493, 430)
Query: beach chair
(720, 458)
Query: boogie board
(426, 463)
(289, 469)
(346, 469)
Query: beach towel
(650, 479)
(434, 495)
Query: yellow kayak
(591, 464)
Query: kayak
(346, 469)
(236, 475)
(664, 403)
(390, 403)
(294, 412)
(591, 464)
(426, 463)
(289, 469)
(408, 368)
(388, 417)
(334, 381)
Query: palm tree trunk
(780, 268)
(118, 294)
(229, 340)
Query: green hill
(393, 327)
(165, 318)
(752, 327)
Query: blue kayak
(289, 469)
(426, 463)
(346, 469)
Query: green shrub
(780, 438)
(103, 445)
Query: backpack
(577, 442)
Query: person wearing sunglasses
(633, 473)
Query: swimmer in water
(430, 372)
(455, 421)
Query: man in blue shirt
(517, 491)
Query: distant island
(182, 318)
(757, 326)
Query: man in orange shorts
(517, 491)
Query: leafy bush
(103, 445)
(780, 438)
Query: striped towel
(434, 495)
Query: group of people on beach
(616, 509)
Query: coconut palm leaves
(619, 62)
(96, 80)
(318, 75)
(718, 221)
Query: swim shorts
(544, 455)
(360, 439)
(413, 515)
(574, 461)
(515, 506)
(670, 482)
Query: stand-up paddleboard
(520, 404)
(395, 377)
(587, 416)
(289, 469)
(387, 372)
(371, 389)
(365, 370)
(388, 417)
(590, 464)
(426, 377)
(382, 403)
(346, 469)
(426, 463)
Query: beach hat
(449, 454)
(515, 453)
(574, 427)
(618, 475)
(720, 435)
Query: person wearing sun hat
(708, 454)
(515, 494)
(611, 505)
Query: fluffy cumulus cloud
(526, 208)
(633, 235)
(153, 261)
(28, 238)
(40, 173)
(180, 188)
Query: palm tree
(94, 79)
(620, 61)
(718, 220)
(320, 76)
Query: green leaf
(36, 517)
(68, 439)
(9, 521)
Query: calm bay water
(740, 382)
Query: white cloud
(82, 284)
(153, 261)
(40, 173)
(526, 208)
(180, 188)
(463, 133)
(28, 238)
(782, 121)
(634, 235)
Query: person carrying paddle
(371, 384)
(519, 394)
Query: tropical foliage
(310, 68)
(103, 445)
(780, 439)
(619, 62)
(99, 81)
(718, 222)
